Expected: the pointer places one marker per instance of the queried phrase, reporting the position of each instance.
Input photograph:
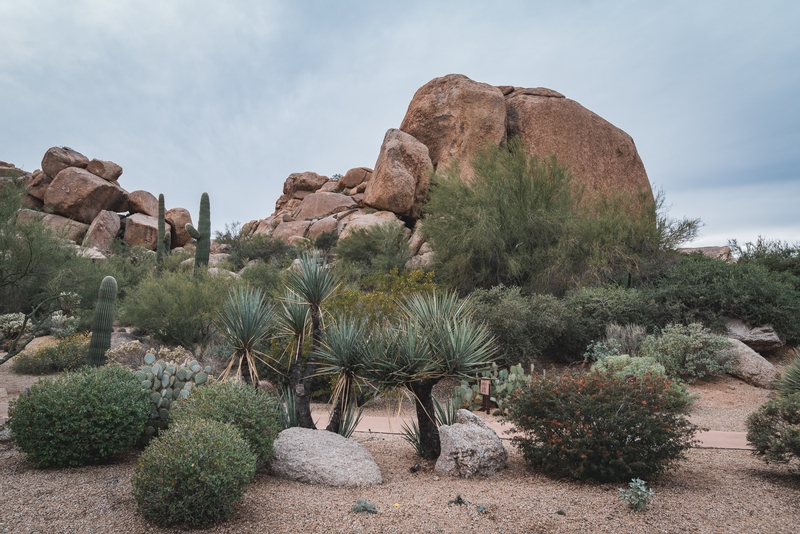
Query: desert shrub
(706, 290)
(601, 426)
(254, 412)
(378, 296)
(68, 354)
(177, 308)
(522, 221)
(81, 417)
(326, 241)
(789, 382)
(776, 255)
(193, 474)
(625, 365)
(243, 249)
(593, 309)
(370, 251)
(774, 430)
(264, 276)
(524, 326)
(627, 338)
(689, 352)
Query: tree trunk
(336, 417)
(302, 391)
(426, 418)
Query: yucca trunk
(302, 388)
(426, 418)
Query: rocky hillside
(447, 121)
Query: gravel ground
(712, 491)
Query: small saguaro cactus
(164, 237)
(202, 234)
(103, 322)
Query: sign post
(486, 392)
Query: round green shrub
(774, 430)
(253, 412)
(81, 417)
(193, 474)
(625, 365)
(601, 426)
(689, 352)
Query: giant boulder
(303, 181)
(320, 205)
(178, 218)
(102, 231)
(470, 448)
(62, 227)
(322, 457)
(80, 195)
(602, 158)
(402, 175)
(455, 117)
(140, 201)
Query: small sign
(486, 386)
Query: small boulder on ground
(322, 457)
(470, 448)
(750, 366)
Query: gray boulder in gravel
(470, 448)
(750, 366)
(322, 457)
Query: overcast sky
(231, 97)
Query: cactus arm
(103, 322)
(192, 231)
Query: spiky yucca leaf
(312, 281)
(245, 321)
(789, 381)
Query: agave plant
(245, 321)
(311, 283)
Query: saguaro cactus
(202, 234)
(164, 237)
(103, 322)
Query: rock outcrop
(470, 448)
(322, 457)
(448, 121)
(102, 232)
(57, 159)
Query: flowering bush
(68, 354)
(601, 426)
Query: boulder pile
(448, 120)
(81, 200)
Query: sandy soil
(712, 491)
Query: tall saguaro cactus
(103, 322)
(164, 237)
(202, 234)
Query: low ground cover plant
(68, 354)
(193, 474)
(80, 417)
(601, 426)
(253, 412)
(690, 352)
(637, 495)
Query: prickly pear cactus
(202, 234)
(103, 322)
(167, 382)
(504, 383)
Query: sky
(231, 97)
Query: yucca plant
(245, 321)
(436, 339)
(345, 352)
(789, 381)
(311, 283)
